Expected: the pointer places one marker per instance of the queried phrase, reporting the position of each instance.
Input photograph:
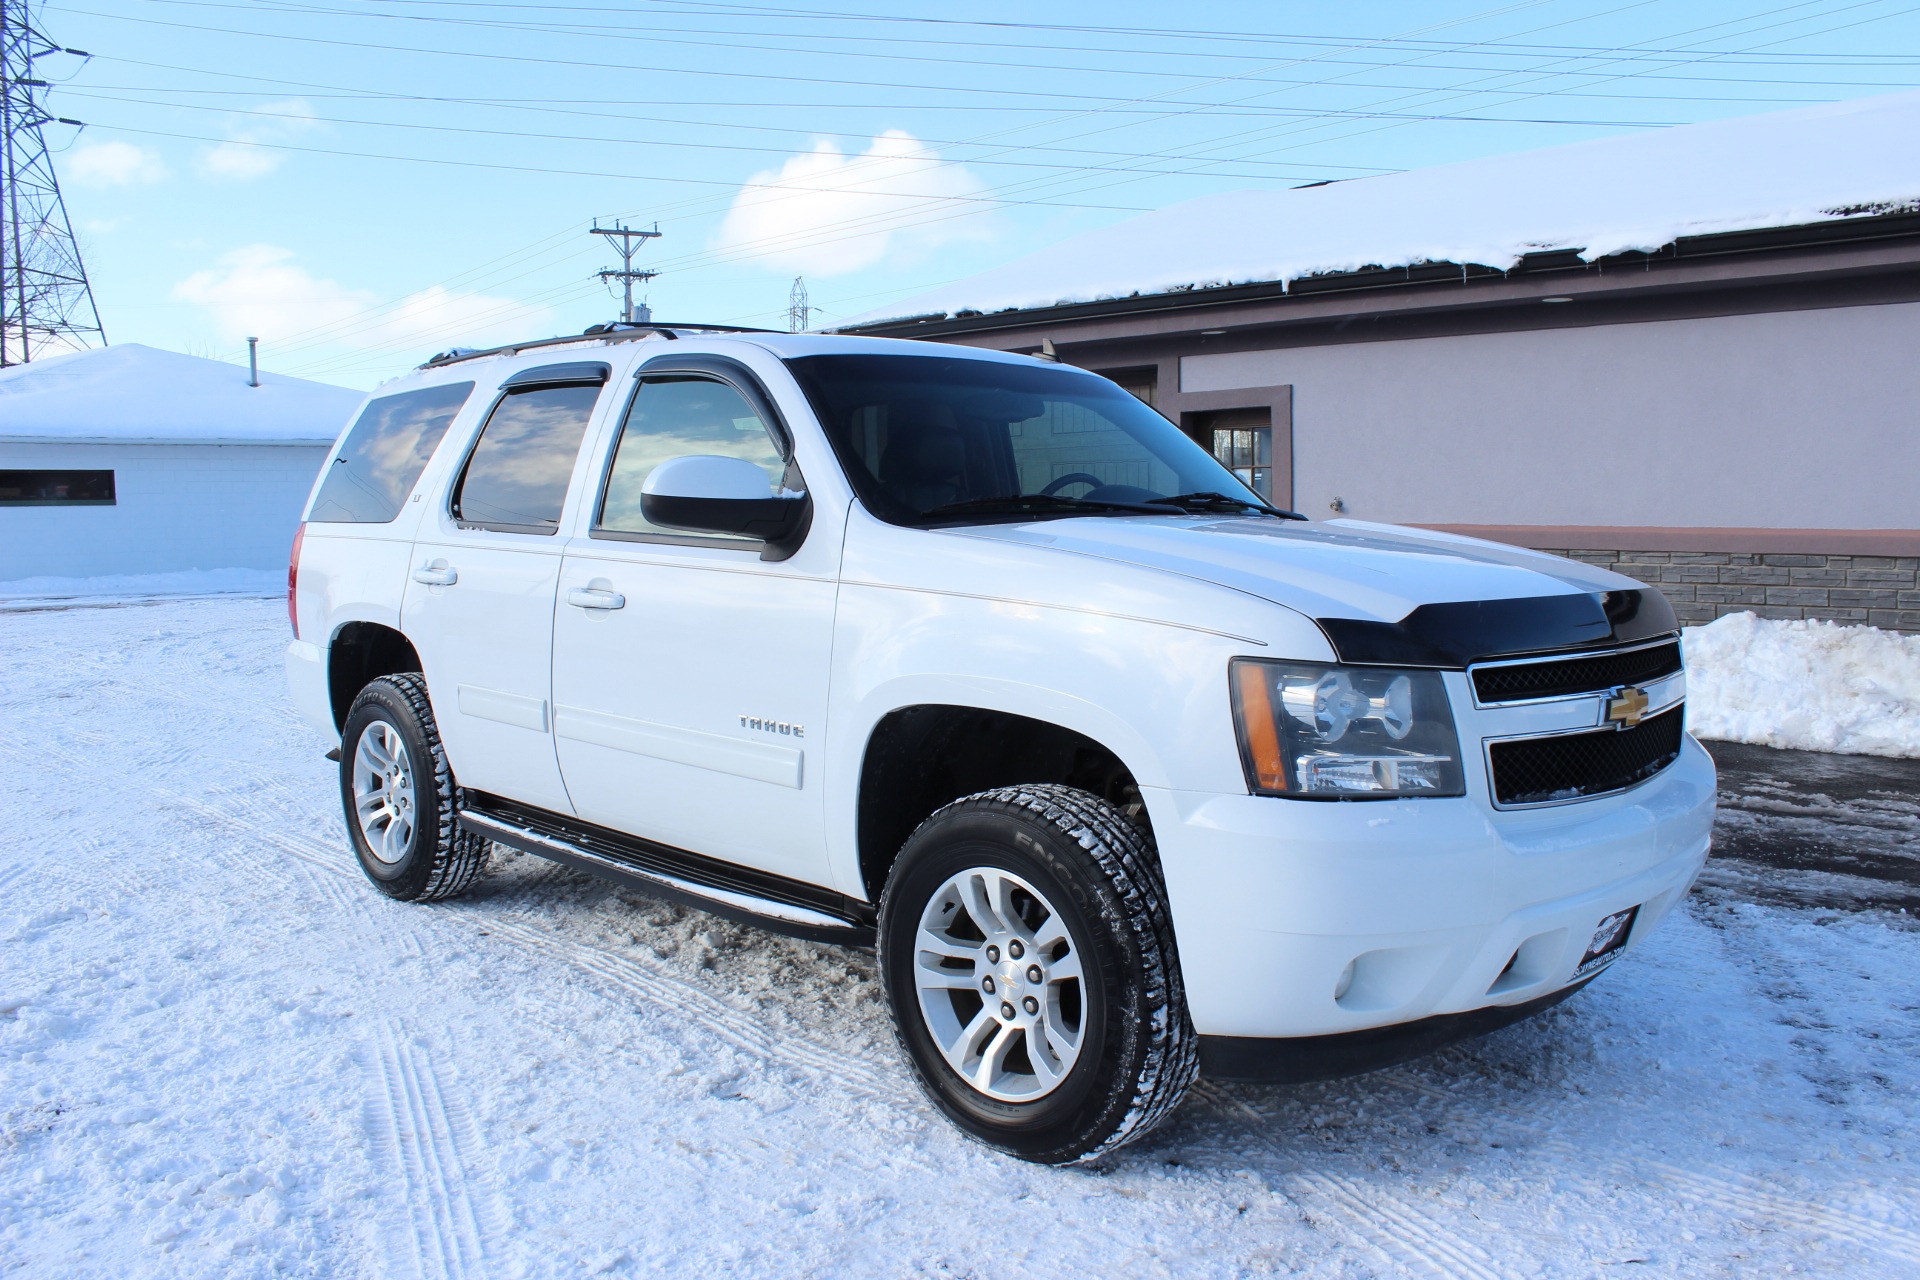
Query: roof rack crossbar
(618, 331)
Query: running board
(790, 907)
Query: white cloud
(114, 164)
(243, 157)
(261, 291)
(832, 213)
(436, 316)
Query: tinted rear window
(516, 478)
(384, 453)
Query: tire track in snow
(1414, 1241)
(313, 855)
(1744, 1197)
(1368, 1214)
(428, 1143)
(654, 986)
(710, 1014)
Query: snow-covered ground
(222, 1054)
(33, 593)
(1806, 686)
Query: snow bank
(1806, 686)
(144, 586)
(1633, 191)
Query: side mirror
(710, 494)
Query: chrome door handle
(436, 575)
(594, 598)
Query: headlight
(1320, 732)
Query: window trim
(729, 373)
(460, 477)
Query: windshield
(935, 440)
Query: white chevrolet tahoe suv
(975, 658)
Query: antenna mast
(797, 308)
(625, 243)
(46, 300)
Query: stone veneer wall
(1875, 591)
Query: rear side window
(384, 453)
(673, 417)
(516, 477)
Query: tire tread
(1123, 850)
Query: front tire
(400, 799)
(1028, 957)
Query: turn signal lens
(1258, 728)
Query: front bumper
(1298, 918)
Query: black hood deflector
(1456, 633)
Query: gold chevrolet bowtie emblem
(1627, 707)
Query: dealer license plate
(1607, 941)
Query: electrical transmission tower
(797, 308)
(625, 243)
(46, 302)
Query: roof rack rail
(614, 331)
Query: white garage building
(131, 460)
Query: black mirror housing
(780, 522)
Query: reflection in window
(385, 450)
(56, 489)
(677, 418)
(1074, 438)
(920, 433)
(516, 479)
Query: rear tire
(399, 796)
(1028, 957)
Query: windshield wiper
(1045, 504)
(1206, 499)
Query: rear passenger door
(480, 594)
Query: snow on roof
(133, 394)
(1633, 191)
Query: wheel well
(363, 652)
(920, 758)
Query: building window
(56, 489)
(1242, 441)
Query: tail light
(293, 580)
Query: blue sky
(363, 182)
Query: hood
(1380, 592)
